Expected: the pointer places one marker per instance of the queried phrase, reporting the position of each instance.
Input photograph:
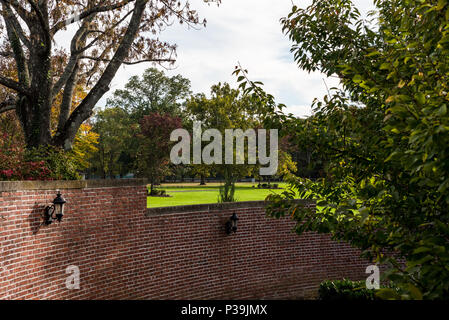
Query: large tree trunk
(33, 124)
(34, 111)
(33, 103)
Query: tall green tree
(116, 132)
(226, 109)
(385, 136)
(154, 146)
(153, 92)
(118, 124)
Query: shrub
(14, 166)
(60, 164)
(44, 163)
(157, 192)
(335, 290)
(11, 153)
(226, 193)
(26, 171)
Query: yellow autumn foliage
(84, 146)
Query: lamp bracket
(228, 227)
(48, 214)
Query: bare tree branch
(61, 24)
(177, 14)
(17, 27)
(6, 54)
(102, 33)
(43, 22)
(90, 74)
(22, 12)
(8, 105)
(67, 98)
(81, 34)
(131, 62)
(14, 85)
(65, 136)
(19, 55)
(74, 57)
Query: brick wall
(125, 251)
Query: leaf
(391, 156)
(364, 213)
(357, 78)
(395, 130)
(322, 203)
(414, 292)
(421, 250)
(389, 99)
(374, 53)
(441, 4)
(420, 261)
(385, 66)
(387, 294)
(420, 97)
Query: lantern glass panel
(59, 208)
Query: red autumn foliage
(157, 128)
(155, 145)
(12, 152)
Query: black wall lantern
(231, 224)
(55, 212)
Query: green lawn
(189, 194)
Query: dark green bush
(157, 192)
(226, 193)
(335, 290)
(61, 164)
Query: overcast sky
(245, 31)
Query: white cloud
(248, 32)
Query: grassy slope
(189, 194)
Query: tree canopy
(384, 136)
(155, 145)
(228, 108)
(153, 92)
(116, 131)
(104, 36)
(118, 124)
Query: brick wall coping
(208, 207)
(6, 186)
